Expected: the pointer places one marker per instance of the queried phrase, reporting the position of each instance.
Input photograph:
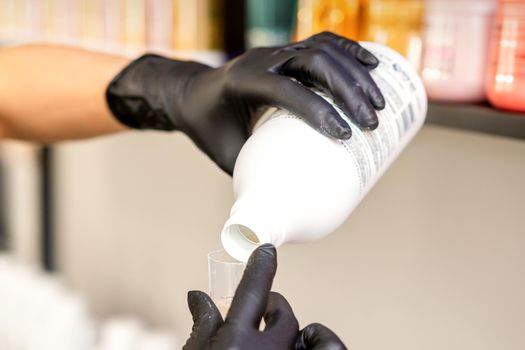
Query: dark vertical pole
(47, 238)
(3, 226)
(234, 27)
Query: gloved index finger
(251, 297)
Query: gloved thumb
(206, 320)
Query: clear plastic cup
(224, 275)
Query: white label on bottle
(405, 106)
(372, 149)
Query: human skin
(51, 93)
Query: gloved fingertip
(266, 250)
(198, 302)
(332, 125)
(193, 299)
(192, 292)
(337, 131)
(367, 58)
(370, 124)
(372, 63)
(379, 101)
(266, 246)
(344, 133)
(365, 116)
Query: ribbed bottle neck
(247, 228)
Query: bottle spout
(239, 241)
(242, 234)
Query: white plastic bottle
(292, 184)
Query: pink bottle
(456, 39)
(506, 70)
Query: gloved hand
(253, 301)
(217, 108)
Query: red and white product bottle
(456, 36)
(292, 184)
(506, 70)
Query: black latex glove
(252, 302)
(317, 337)
(217, 108)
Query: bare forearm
(51, 93)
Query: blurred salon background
(100, 240)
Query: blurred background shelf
(477, 117)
